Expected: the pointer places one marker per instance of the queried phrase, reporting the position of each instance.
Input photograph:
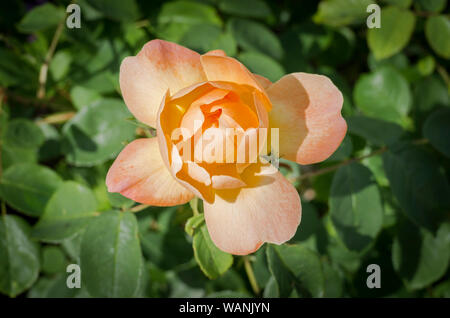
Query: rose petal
(226, 182)
(264, 82)
(140, 174)
(159, 66)
(216, 52)
(224, 68)
(267, 212)
(307, 111)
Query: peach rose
(194, 101)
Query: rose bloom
(187, 96)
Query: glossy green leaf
(119, 10)
(205, 37)
(60, 64)
(397, 26)
(253, 36)
(437, 130)
(41, 17)
(28, 187)
(431, 5)
(188, 12)
(97, 133)
(263, 65)
(212, 261)
(54, 287)
(419, 257)
(248, 8)
(376, 131)
(418, 184)
(19, 256)
(119, 201)
(193, 224)
(111, 262)
(53, 260)
(82, 96)
(342, 12)
(429, 93)
(437, 31)
(383, 94)
(23, 133)
(51, 148)
(355, 206)
(69, 209)
(400, 3)
(295, 266)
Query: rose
(194, 101)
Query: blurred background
(382, 198)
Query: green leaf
(342, 12)
(400, 3)
(398, 61)
(119, 10)
(69, 209)
(51, 148)
(397, 26)
(253, 36)
(429, 93)
(383, 94)
(60, 64)
(376, 131)
(419, 257)
(212, 261)
(28, 187)
(309, 225)
(437, 31)
(418, 184)
(263, 65)
(295, 266)
(155, 240)
(205, 37)
(431, 5)
(188, 12)
(40, 18)
(193, 224)
(344, 150)
(82, 96)
(54, 287)
(437, 130)
(248, 8)
(355, 206)
(97, 133)
(23, 133)
(119, 201)
(19, 256)
(53, 260)
(12, 155)
(334, 283)
(111, 262)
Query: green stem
(251, 275)
(194, 206)
(48, 58)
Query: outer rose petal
(159, 66)
(307, 111)
(216, 52)
(269, 212)
(140, 174)
(264, 82)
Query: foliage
(383, 198)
